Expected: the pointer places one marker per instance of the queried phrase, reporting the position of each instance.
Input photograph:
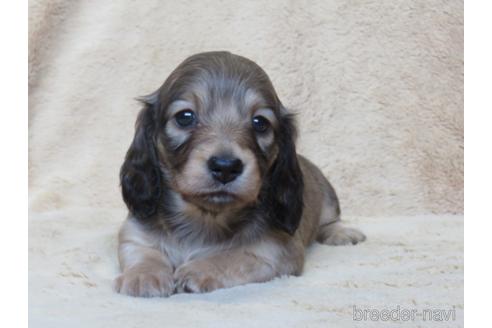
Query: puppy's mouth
(219, 197)
(215, 198)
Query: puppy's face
(218, 149)
(218, 134)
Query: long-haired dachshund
(217, 194)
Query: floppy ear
(284, 187)
(140, 175)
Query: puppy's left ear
(140, 175)
(283, 191)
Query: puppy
(217, 195)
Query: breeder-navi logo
(403, 314)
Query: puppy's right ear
(140, 175)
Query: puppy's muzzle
(225, 169)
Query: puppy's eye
(260, 124)
(185, 118)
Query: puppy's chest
(182, 251)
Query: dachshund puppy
(217, 194)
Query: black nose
(225, 169)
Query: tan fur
(195, 178)
(146, 270)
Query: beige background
(378, 86)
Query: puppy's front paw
(197, 277)
(338, 234)
(140, 283)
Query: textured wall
(378, 86)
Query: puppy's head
(216, 134)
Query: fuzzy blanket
(378, 88)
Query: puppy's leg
(335, 233)
(258, 262)
(331, 230)
(147, 272)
